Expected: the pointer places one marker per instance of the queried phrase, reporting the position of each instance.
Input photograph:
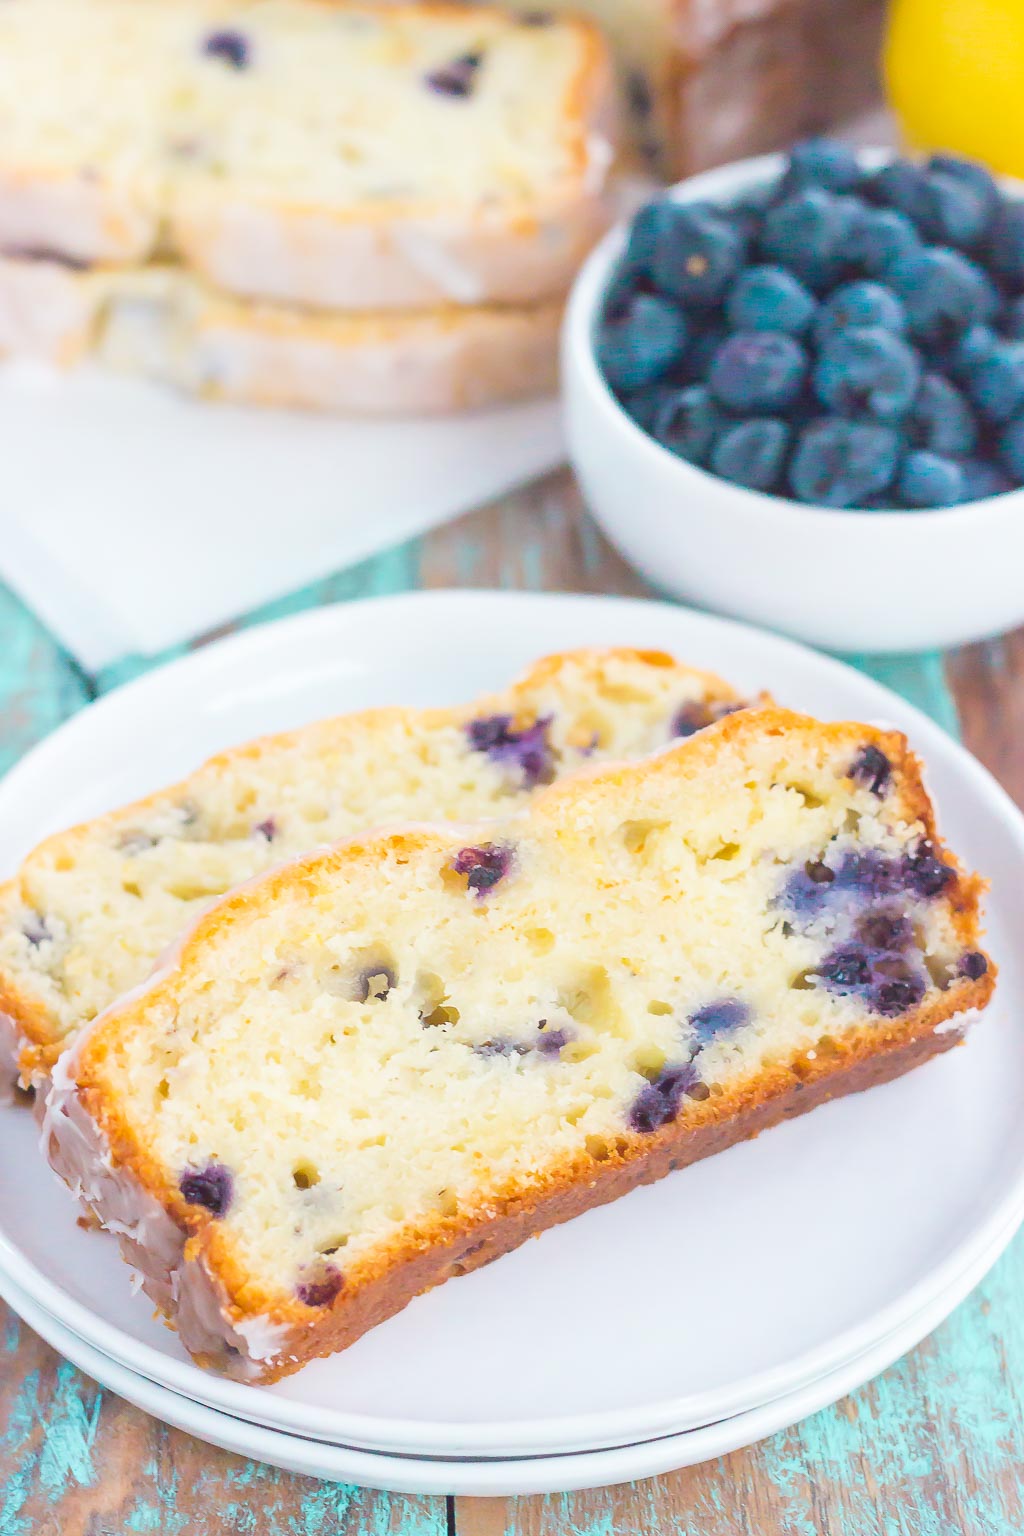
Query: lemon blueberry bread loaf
(706, 81)
(91, 909)
(343, 156)
(389, 1062)
(164, 324)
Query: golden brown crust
(425, 1254)
(42, 1033)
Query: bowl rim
(587, 296)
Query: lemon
(955, 75)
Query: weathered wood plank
(77, 1461)
(988, 681)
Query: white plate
(712, 1292)
(546, 1474)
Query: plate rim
(616, 1427)
(482, 1476)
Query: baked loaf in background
(354, 207)
(164, 324)
(708, 81)
(91, 909)
(390, 1062)
(339, 155)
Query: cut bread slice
(345, 156)
(390, 1062)
(163, 324)
(91, 909)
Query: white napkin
(133, 519)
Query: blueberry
(320, 1286)
(658, 1102)
(859, 876)
(231, 47)
(644, 404)
(866, 873)
(886, 983)
(879, 237)
(903, 186)
(693, 717)
(758, 371)
(873, 769)
(747, 215)
(211, 1187)
(483, 866)
(940, 419)
(943, 293)
(969, 350)
(36, 930)
(1011, 447)
(527, 751)
(642, 344)
(930, 480)
(897, 987)
(807, 233)
(922, 873)
(686, 423)
(1013, 319)
(859, 304)
(973, 965)
(846, 969)
(806, 891)
(456, 78)
(822, 163)
(551, 1042)
(982, 479)
(838, 463)
(947, 207)
(697, 255)
(267, 829)
(885, 929)
(867, 370)
(997, 383)
(1006, 246)
(770, 299)
(719, 1018)
(647, 228)
(752, 453)
(700, 350)
(962, 214)
(972, 175)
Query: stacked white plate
(686, 1320)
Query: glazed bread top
(192, 126)
(91, 909)
(382, 1046)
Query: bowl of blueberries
(794, 393)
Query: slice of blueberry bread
(339, 155)
(163, 323)
(91, 909)
(389, 1062)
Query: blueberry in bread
(164, 324)
(91, 909)
(389, 1062)
(343, 156)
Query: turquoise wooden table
(932, 1448)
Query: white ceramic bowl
(853, 581)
